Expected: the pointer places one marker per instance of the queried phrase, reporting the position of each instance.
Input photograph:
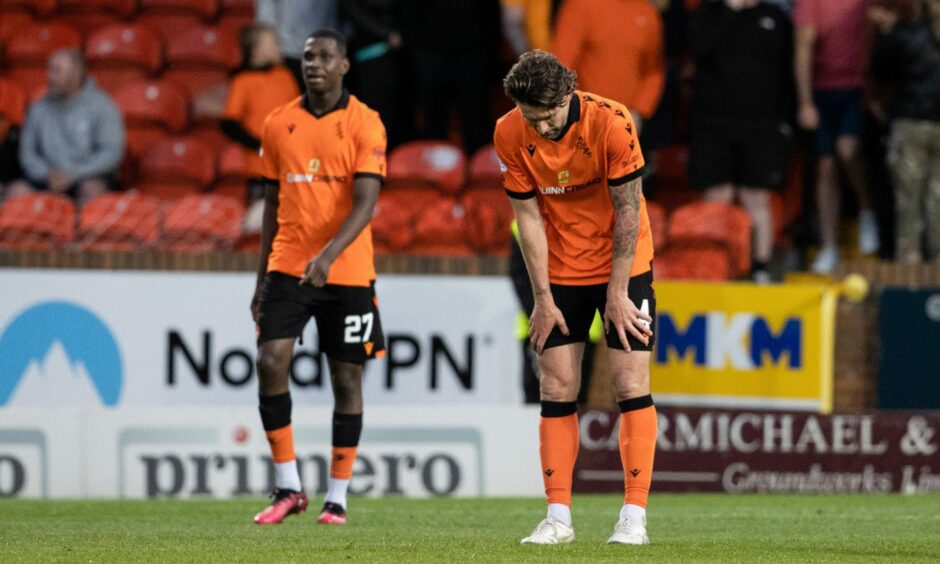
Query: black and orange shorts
(578, 305)
(347, 317)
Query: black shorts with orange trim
(579, 303)
(347, 317)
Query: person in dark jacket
(740, 135)
(906, 57)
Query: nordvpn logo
(59, 354)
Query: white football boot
(550, 531)
(629, 530)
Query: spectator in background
(455, 44)
(12, 107)
(828, 67)
(527, 24)
(73, 139)
(906, 58)
(616, 47)
(294, 20)
(740, 135)
(379, 76)
(261, 84)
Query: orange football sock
(342, 462)
(558, 449)
(638, 429)
(282, 444)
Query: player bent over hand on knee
(572, 167)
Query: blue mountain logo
(87, 343)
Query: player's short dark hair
(336, 36)
(539, 79)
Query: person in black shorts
(323, 162)
(740, 138)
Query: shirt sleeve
(235, 103)
(624, 156)
(517, 183)
(268, 153)
(371, 143)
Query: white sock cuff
(560, 512)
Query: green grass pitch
(683, 528)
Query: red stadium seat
(658, 225)
(27, 50)
(120, 8)
(119, 222)
(120, 53)
(484, 167)
(168, 191)
(238, 8)
(431, 162)
(488, 217)
(233, 173)
(169, 17)
(393, 224)
(12, 103)
(91, 15)
(39, 8)
(201, 57)
(440, 228)
(706, 261)
(36, 221)
(182, 160)
(202, 223)
(11, 22)
(152, 109)
(706, 224)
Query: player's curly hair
(539, 79)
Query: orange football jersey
(315, 160)
(570, 176)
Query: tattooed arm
(621, 312)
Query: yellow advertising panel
(741, 345)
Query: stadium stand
(176, 166)
(170, 16)
(27, 50)
(232, 177)
(430, 163)
(201, 57)
(205, 222)
(36, 221)
(152, 109)
(126, 221)
(706, 241)
(124, 52)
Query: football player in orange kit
(323, 161)
(572, 167)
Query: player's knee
(627, 388)
(554, 388)
(347, 384)
(272, 366)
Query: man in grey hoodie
(73, 139)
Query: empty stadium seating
(152, 110)
(205, 222)
(36, 221)
(120, 53)
(706, 241)
(201, 57)
(119, 222)
(431, 163)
